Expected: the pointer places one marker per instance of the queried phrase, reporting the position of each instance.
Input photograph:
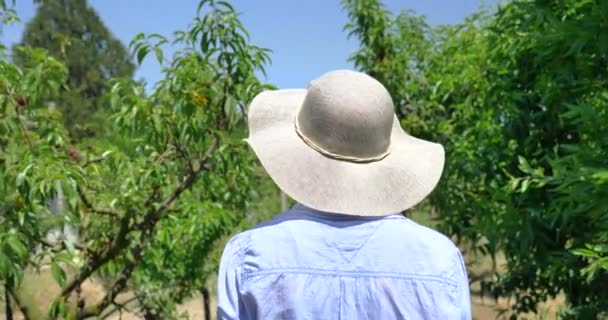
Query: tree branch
(8, 303)
(147, 226)
(184, 153)
(96, 262)
(29, 312)
(89, 205)
(119, 307)
(24, 130)
(94, 160)
(162, 157)
(57, 247)
(202, 165)
(116, 288)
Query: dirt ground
(485, 307)
(93, 292)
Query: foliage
(71, 31)
(27, 135)
(379, 55)
(7, 15)
(150, 200)
(518, 98)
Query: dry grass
(38, 290)
(485, 307)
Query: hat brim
(391, 185)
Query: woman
(344, 251)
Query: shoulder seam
(241, 255)
(356, 274)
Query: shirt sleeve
(229, 282)
(463, 287)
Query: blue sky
(306, 36)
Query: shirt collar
(300, 208)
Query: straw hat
(337, 146)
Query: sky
(305, 36)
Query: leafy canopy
(151, 200)
(72, 32)
(518, 99)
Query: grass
(39, 288)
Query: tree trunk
(206, 302)
(7, 303)
(148, 315)
(30, 311)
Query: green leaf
(54, 309)
(225, 5)
(17, 246)
(21, 176)
(159, 54)
(204, 42)
(161, 38)
(601, 248)
(602, 263)
(514, 184)
(70, 247)
(601, 176)
(524, 185)
(58, 274)
(64, 257)
(201, 4)
(141, 54)
(524, 165)
(585, 253)
(58, 309)
(137, 39)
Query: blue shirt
(307, 264)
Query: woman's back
(338, 147)
(306, 264)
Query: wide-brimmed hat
(338, 147)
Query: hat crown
(348, 115)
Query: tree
(71, 31)
(149, 205)
(518, 98)
(7, 14)
(389, 44)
